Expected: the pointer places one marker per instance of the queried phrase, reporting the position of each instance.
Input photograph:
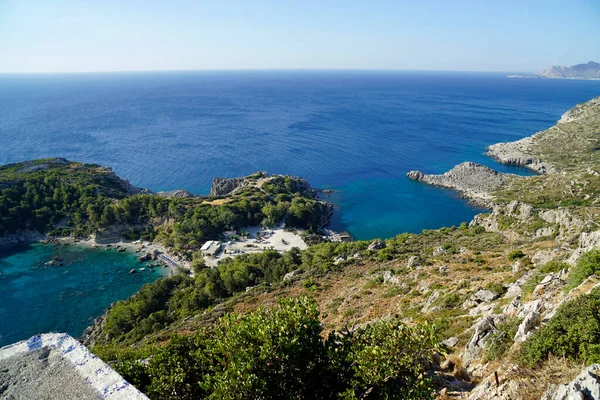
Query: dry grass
(532, 383)
(217, 202)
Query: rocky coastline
(473, 181)
(518, 153)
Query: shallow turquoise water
(35, 298)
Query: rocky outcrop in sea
(472, 180)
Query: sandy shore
(139, 248)
(277, 239)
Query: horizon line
(260, 70)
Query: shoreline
(143, 248)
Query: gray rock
(56, 366)
(289, 275)
(427, 307)
(531, 321)
(444, 268)
(472, 180)
(450, 342)
(376, 245)
(388, 277)
(512, 308)
(176, 194)
(484, 295)
(339, 259)
(519, 153)
(438, 251)
(413, 262)
(586, 386)
(224, 186)
(480, 338)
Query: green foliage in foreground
(573, 332)
(588, 265)
(280, 353)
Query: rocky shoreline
(517, 153)
(473, 181)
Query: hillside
(504, 307)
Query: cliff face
(225, 186)
(590, 70)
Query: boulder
(413, 262)
(339, 259)
(376, 245)
(132, 271)
(444, 268)
(480, 338)
(512, 308)
(427, 306)
(438, 251)
(485, 296)
(289, 275)
(531, 321)
(450, 342)
(388, 277)
(585, 386)
(146, 257)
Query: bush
(280, 353)
(588, 264)
(502, 339)
(573, 332)
(515, 255)
(554, 266)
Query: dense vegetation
(573, 332)
(175, 298)
(280, 353)
(587, 265)
(61, 197)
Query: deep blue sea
(355, 132)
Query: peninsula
(504, 307)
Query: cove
(36, 298)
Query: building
(211, 248)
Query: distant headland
(589, 71)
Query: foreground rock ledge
(56, 366)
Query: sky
(131, 35)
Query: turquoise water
(35, 298)
(357, 132)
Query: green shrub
(588, 264)
(515, 255)
(554, 267)
(496, 287)
(280, 353)
(573, 332)
(502, 339)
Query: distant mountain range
(590, 70)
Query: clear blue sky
(111, 35)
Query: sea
(356, 133)
(66, 296)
